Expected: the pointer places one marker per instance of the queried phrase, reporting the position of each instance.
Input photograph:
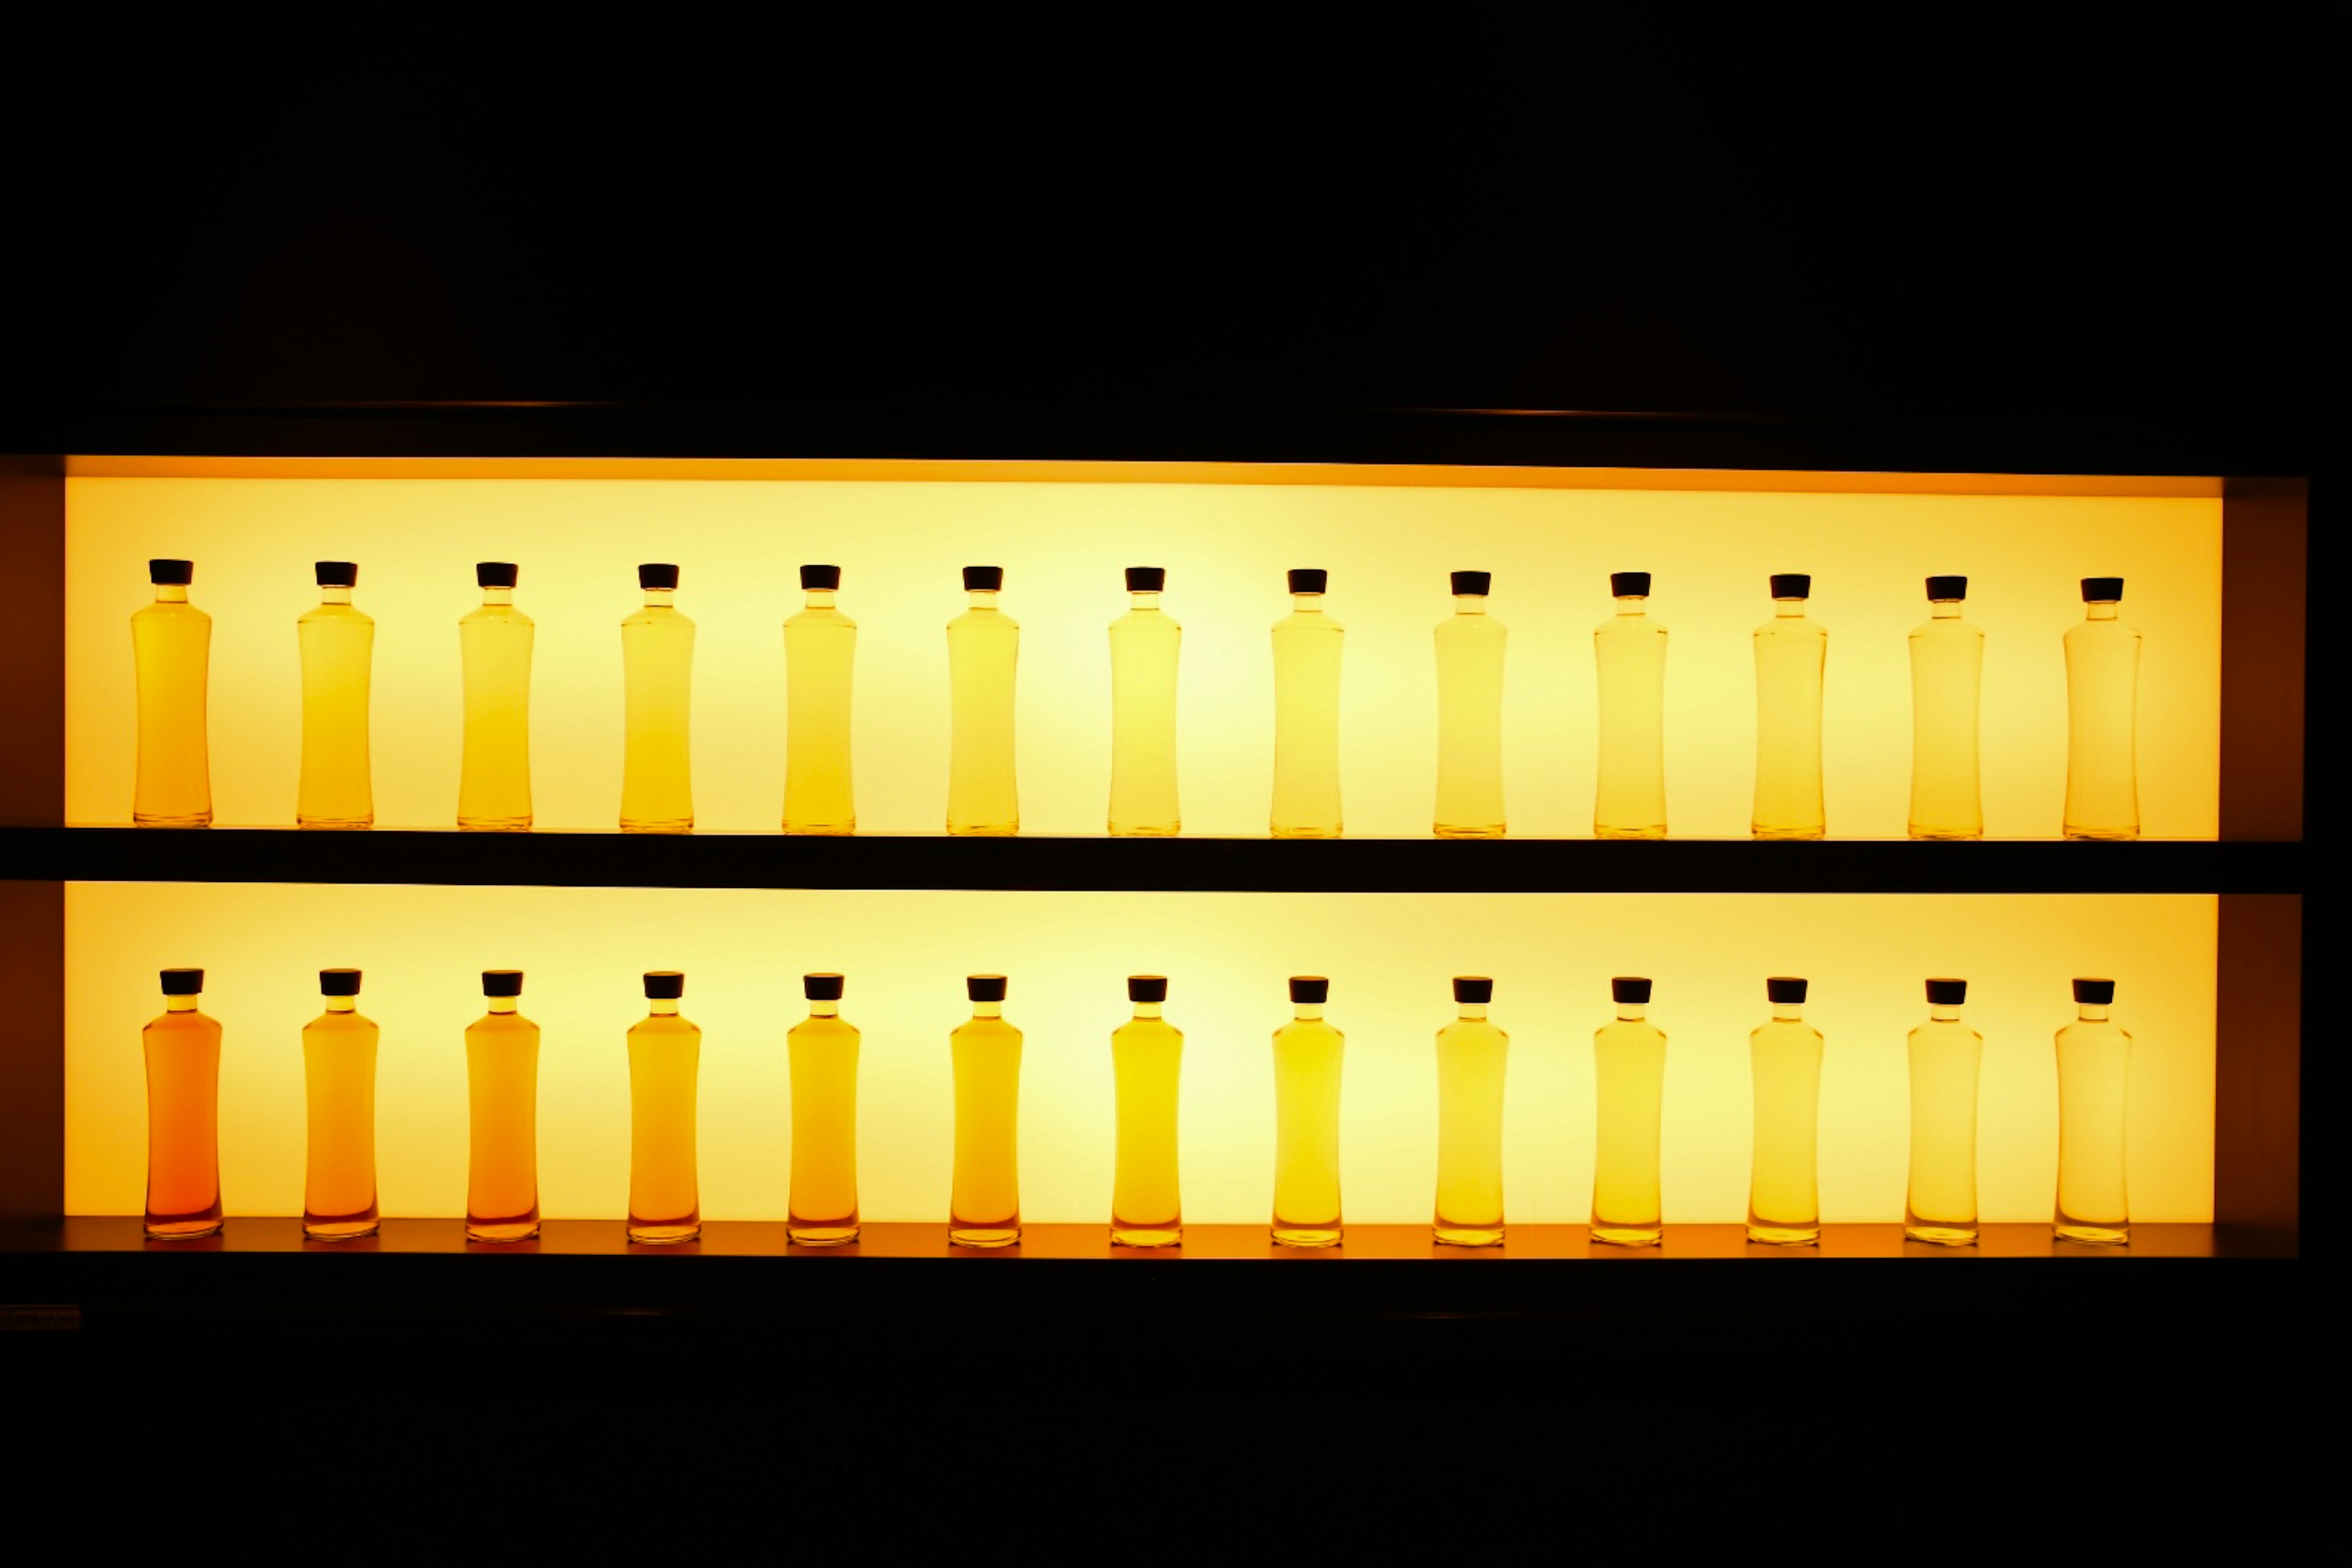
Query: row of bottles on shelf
(173, 788)
(183, 1059)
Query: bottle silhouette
(823, 1203)
(1629, 652)
(171, 642)
(182, 1051)
(657, 666)
(1946, 1056)
(1147, 1056)
(2102, 718)
(1790, 653)
(1308, 1056)
(503, 1118)
(1470, 1056)
(1785, 1061)
(2093, 1094)
(494, 642)
(1306, 648)
(664, 1061)
(1470, 644)
(819, 657)
(338, 1049)
(338, 644)
(1144, 645)
(1629, 1065)
(1947, 679)
(983, 664)
(985, 1206)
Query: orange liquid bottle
(657, 675)
(183, 1049)
(823, 1203)
(338, 644)
(503, 1143)
(664, 1057)
(984, 1202)
(338, 1048)
(172, 640)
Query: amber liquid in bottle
(983, 661)
(823, 1203)
(820, 658)
(664, 1058)
(1785, 1059)
(1628, 650)
(1307, 648)
(1144, 644)
(338, 1049)
(171, 641)
(1790, 653)
(495, 643)
(1946, 682)
(1629, 1065)
(502, 1118)
(338, 644)
(183, 1051)
(1470, 1056)
(984, 1204)
(1946, 1056)
(2093, 1091)
(657, 658)
(2102, 718)
(1147, 1058)
(1470, 715)
(1307, 1055)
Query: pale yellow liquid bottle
(2094, 1093)
(1144, 644)
(1946, 684)
(822, 1207)
(338, 643)
(495, 641)
(1307, 648)
(171, 643)
(1470, 714)
(1629, 656)
(665, 1062)
(658, 663)
(984, 1204)
(1790, 653)
(1785, 1059)
(338, 1048)
(820, 657)
(983, 661)
(502, 1119)
(1147, 1056)
(1946, 1057)
(1629, 1066)
(1470, 1056)
(1308, 1056)
(183, 1049)
(2102, 718)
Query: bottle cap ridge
(1310, 990)
(501, 982)
(1147, 988)
(1475, 583)
(1785, 988)
(1633, 988)
(180, 572)
(1946, 993)
(1629, 585)
(183, 982)
(823, 579)
(337, 574)
(664, 985)
(821, 987)
(339, 983)
(2101, 590)
(984, 988)
(2095, 993)
(657, 574)
(1310, 580)
(1792, 584)
(1477, 989)
(1948, 588)
(495, 573)
(1146, 579)
(983, 579)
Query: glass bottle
(1629, 1066)
(657, 661)
(1941, 1205)
(1790, 652)
(172, 642)
(1785, 1059)
(823, 1203)
(1470, 714)
(820, 657)
(1144, 644)
(339, 1046)
(338, 642)
(1307, 648)
(1471, 1058)
(664, 1061)
(1147, 1054)
(1308, 1054)
(1946, 679)
(985, 1206)
(2094, 1089)
(183, 1051)
(503, 1118)
(2102, 718)
(1629, 655)
(983, 660)
(494, 642)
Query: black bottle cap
(1471, 582)
(183, 982)
(339, 983)
(821, 987)
(1629, 585)
(501, 982)
(1146, 579)
(1476, 988)
(337, 574)
(1312, 990)
(2101, 590)
(1792, 584)
(664, 985)
(1948, 587)
(1147, 988)
(1784, 988)
(657, 574)
(983, 579)
(984, 988)
(495, 573)
(825, 579)
(1946, 993)
(1310, 580)
(180, 572)
(2095, 992)
(1632, 988)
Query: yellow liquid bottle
(1307, 1055)
(1946, 1056)
(1629, 1066)
(1470, 1056)
(1790, 653)
(1470, 714)
(658, 662)
(494, 643)
(171, 643)
(820, 658)
(665, 1059)
(1307, 648)
(1144, 644)
(984, 1204)
(1629, 656)
(1785, 1058)
(1947, 684)
(823, 1203)
(1147, 1056)
(182, 1051)
(338, 644)
(339, 1047)
(2094, 1093)
(2102, 718)
(983, 659)
(502, 1116)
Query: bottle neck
(179, 1004)
(1147, 1009)
(1471, 1012)
(660, 598)
(1306, 603)
(504, 1004)
(1787, 1013)
(1308, 1012)
(1144, 601)
(335, 595)
(820, 598)
(1469, 604)
(342, 1004)
(1631, 1012)
(983, 598)
(987, 1009)
(1940, 1014)
(2100, 610)
(171, 592)
(1945, 609)
(2087, 1014)
(661, 1007)
(497, 596)
(824, 1009)
(1789, 609)
(1633, 603)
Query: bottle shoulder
(1933, 1031)
(1480, 628)
(2118, 631)
(1791, 628)
(1308, 1032)
(1146, 624)
(1947, 629)
(496, 616)
(670, 1026)
(982, 623)
(658, 616)
(1631, 628)
(490, 1024)
(2081, 1032)
(163, 614)
(985, 1031)
(188, 1023)
(1469, 1032)
(819, 619)
(352, 1022)
(1146, 1031)
(1299, 623)
(332, 614)
(813, 1029)
(1785, 1031)
(1626, 1032)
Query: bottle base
(1942, 1235)
(335, 823)
(2092, 1234)
(183, 1229)
(1627, 1235)
(1147, 1238)
(493, 824)
(1466, 1234)
(502, 1232)
(1305, 1237)
(821, 829)
(2105, 834)
(683, 825)
(338, 1229)
(983, 830)
(1947, 835)
(139, 819)
(821, 1235)
(1131, 830)
(1448, 830)
(1784, 1235)
(1760, 831)
(984, 1238)
(1303, 833)
(1655, 830)
(665, 1234)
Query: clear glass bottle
(823, 1203)
(1144, 644)
(2102, 718)
(183, 1049)
(1629, 1066)
(983, 664)
(1308, 1056)
(658, 663)
(2094, 1095)
(1470, 644)
(1947, 682)
(495, 643)
(1307, 648)
(339, 1047)
(1946, 1056)
(1146, 1055)
(665, 1062)
(1784, 1184)
(1790, 652)
(338, 643)
(1470, 1056)
(819, 657)
(502, 1119)
(171, 643)
(1629, 653)
(984, 1206)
